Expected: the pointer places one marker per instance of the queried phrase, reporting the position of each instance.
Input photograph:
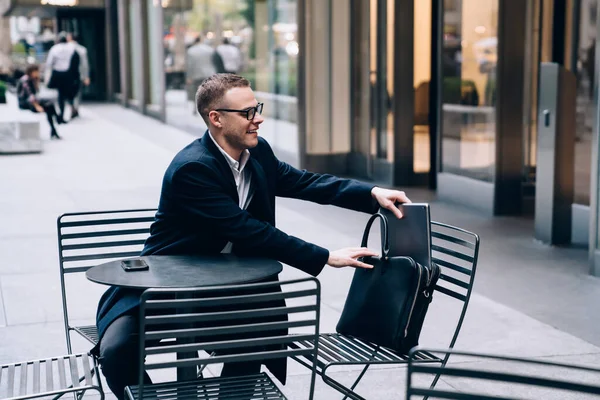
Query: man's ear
(215, 119)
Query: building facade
(443, 94)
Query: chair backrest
(456, 251)
(89, 238)
(488, 377)
(237, 323)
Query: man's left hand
(388, 198)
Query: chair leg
(80, 395)
(100, 392)
(75, 395)
(340, 387)
(437, 376)
(358, 379)
(362, 372)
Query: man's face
(237, 130)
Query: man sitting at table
(218, 196)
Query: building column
(5, 45)
(512, 26)
(138, 52)
(110, 78)
(594, 243)
(325, 69)
(403, 94)
(124, 51)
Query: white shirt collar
(233, 164)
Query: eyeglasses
(250, 111)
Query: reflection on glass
(469, 88)
(135, 61)
(382, 78)
(585, 100)
(252, 38)
(153, 17)
(422, 78)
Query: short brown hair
(31, 68)
(210, 93)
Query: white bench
(19, 130)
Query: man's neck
(233, 153)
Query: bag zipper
(412, 307)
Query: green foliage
(19, 48)
(282, 82)
(459, 91)
(248, 12)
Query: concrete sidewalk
(530, 300)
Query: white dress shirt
(242, 178)
(59, 57)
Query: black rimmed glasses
(250, 111)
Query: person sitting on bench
(27, 89)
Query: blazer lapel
(222, 163)
(260, 203)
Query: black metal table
(186, 271)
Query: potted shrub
(2, 92)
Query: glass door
(381, 78)
(88, 25)
(373, 85)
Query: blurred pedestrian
(199, 66)
(231, 56)
(83, 72)
(27, 90)
(63, 65)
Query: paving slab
(530, 299)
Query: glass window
(134, 39)
(469, 61)
(253, 38)
(116, 54)
(154, 37)
(585, 110)
(422, 78)
(382, 79)
(182, 31)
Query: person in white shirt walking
(231, 56)
(84, 71)
(63, 66)
(199, 66)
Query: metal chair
(89, 238)
(239, 323)
(54, 376)
(492, 377)
(456, 251)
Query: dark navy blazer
(199, 213)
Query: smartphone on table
(134, 265)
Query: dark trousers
(67, 86)
(119, 357)
(50, 111)
(65, 94)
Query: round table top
(186, 271)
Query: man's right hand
(348, 257)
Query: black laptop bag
(386, 305)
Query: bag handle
(385, 241)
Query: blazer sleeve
(324, 188)
(198, 190)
